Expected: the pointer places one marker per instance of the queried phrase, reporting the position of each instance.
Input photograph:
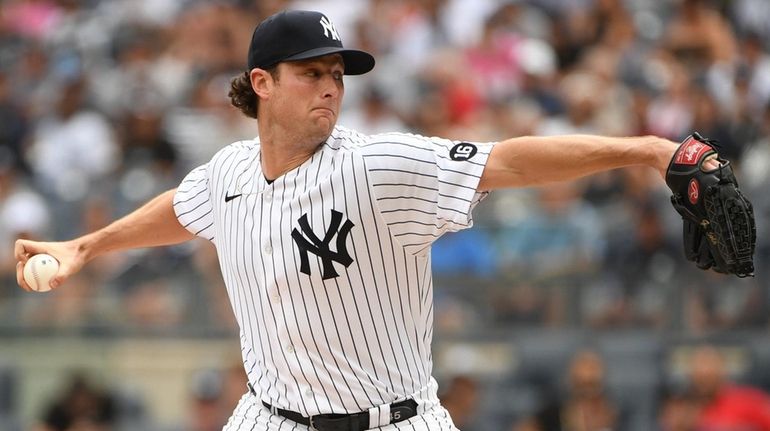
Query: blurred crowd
(704, 387)
(84, 403)
(707, 396)
(105, 103)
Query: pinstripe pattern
(361, 339)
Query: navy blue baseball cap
(297, 35)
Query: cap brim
(356, 62)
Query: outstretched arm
(531, 160)
(153, 224)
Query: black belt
(399, 411)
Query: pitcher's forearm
(532, 160)
(153, 224)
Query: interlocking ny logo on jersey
(320, 247)
(329, 28)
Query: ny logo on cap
(329, 28)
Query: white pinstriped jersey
(328, 267)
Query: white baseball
(39, 270)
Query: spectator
(74, 147)
(678, 412)
(755, 160)
(671, 112)
(32, 19)
(643, 263)
(135, 82)
(724, 405)
(527, 304)
(465, 255)
(374, 115)
(716, 302)
(206, 409)
(752, 16)
(710, 55)
(23, 214)
(495, 61)
(461, 399)
(13, 125)
(32, 82)
(585, 406)
(234, 380)
(81, 405)
(685, 38)
(150, 162)
(709, 120)
(755, 65)
(562, 237)
(205, 119)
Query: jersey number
(462, 151)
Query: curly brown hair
(243, 97)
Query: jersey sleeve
(423, 186)
(192, 203)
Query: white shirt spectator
(76, 151)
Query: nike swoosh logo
(231, 197)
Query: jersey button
(276, 298)
(268, 249)
(268, 197)
(290, 348)
(309, 393)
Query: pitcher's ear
(262, 82)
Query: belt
(399, 411)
